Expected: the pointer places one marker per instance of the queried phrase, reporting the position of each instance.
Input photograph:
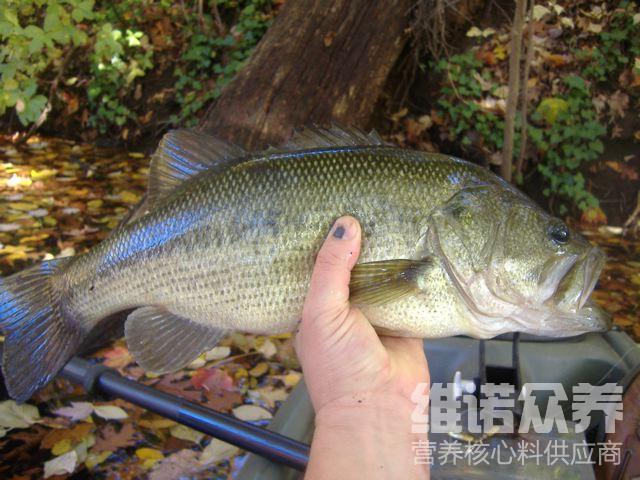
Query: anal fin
(162, 342)
(378, 283)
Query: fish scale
(226, 241)
(245, 260)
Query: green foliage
(567, 143)
(458, 102)
(205, 53)
(118, 58)
(617, 46)
(28, 53)
(566, 130)
(98, 54)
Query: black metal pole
(260, 441)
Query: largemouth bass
(226, 241)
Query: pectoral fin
(377, 283)
(162, 342)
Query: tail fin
(39, 340)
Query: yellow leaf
(157, 424)
(251, 413)
(94, 204)
(474, 32)
(78, 192)
(129, 197)
(259, 370)
(61, 447)
(500, 52)
(186, 433)
(594, 216)
(550, 108)
(94, 459)
(50, 221)
(23, 206)
(292, 379)
(43, 174)
(149, 456)
(110, 412)
(136, 155)
(540, 11)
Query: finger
(328, 295)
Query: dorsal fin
(333, 136)
(180, 155)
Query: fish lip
(595, 263)
(550, 285)
(588, 266)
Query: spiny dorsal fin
(333, 136)
(162, 342)
(180, 155)
(378, 283)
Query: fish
(226, 240)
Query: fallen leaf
(626, 171)
(156, 423)
(110, 439)
(292, 379)
(593, 216)
(74, 435)
(268, 348)
(222, 400)
(110, 412)
(118, 357)
(618, 103)
(217, 353)
(61, 465)
(22, 206)
(539, 11)
(270, 395)
(197, 363)
(16, 415)
(94, 459)
(176, 465)
(251, 413)
(212, 379)
(9, 227)
(259, 370)
(129, 197)
(77, 411)
(217, 451)
(185, 433)
(149, 456)
(61, 447)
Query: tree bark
(321, 61)
(514, 90)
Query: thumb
(328, 296)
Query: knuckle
(329, 258)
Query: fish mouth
(571, 298)
(575, 287)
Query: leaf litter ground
(60, 198)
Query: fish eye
(559, 234)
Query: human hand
(360, 384)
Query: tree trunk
(321, 61)
(514, 90)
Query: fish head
(517, 267)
